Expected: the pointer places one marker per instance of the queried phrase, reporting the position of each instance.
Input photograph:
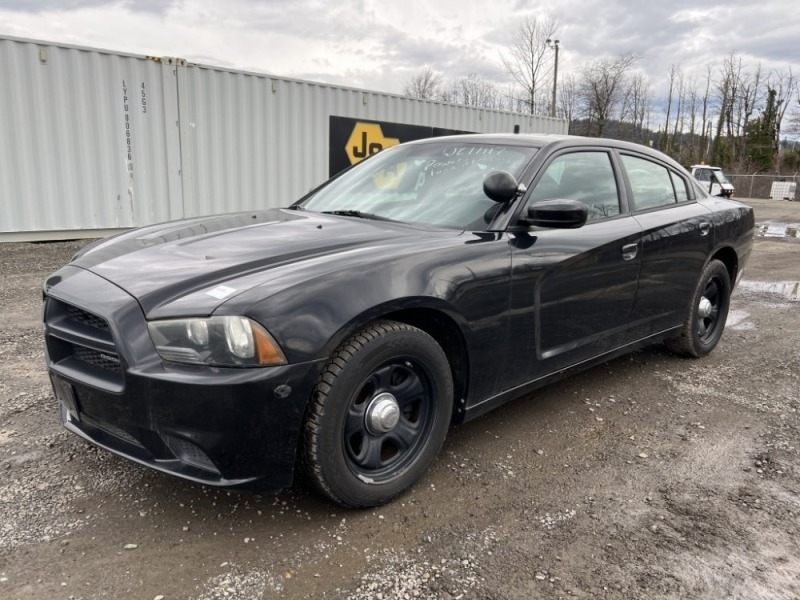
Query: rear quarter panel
(734, 227)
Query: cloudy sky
(380, 44)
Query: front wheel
(379, 414)
(706, 313)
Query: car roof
(515, 139)
(551, 142)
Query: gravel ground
(650, 476)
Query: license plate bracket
(66, 396)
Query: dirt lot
(651, 476)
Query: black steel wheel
(706, 315)
(379, 414)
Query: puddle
(777, 230)
(788, 289)
(739, 320)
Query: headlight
(219, 341)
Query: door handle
(630, 251)
(705, 227)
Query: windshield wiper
(355, 213)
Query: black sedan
(421, 288)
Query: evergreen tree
(761, 135)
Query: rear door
(677, 238)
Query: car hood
(193, 266)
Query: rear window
(681, 191)
(651, 183)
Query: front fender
(310, 320)
(468, 282)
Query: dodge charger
(344, 334)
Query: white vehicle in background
(713, 179)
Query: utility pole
(554, 45)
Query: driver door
(573, 289)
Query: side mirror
(502, 186)
(558, 214)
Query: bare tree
(751, 94)
(472, 90)
(693, 104)
(601, 88)
(723, 151)
(477, 91)
(449, 91)
(679, 115)
(640, 106)
(672, 74)
(568, 98)
(793, 121)
(527, 60)
(705, 136)
(424, 85)
(508, 99)
(785, 85)
(740, 91)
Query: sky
(380, 45)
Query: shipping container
(93, 141)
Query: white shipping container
(93, 141)
(76, 149)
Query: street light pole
(554, 45)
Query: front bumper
(218, 426)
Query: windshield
(436, 183)
(721, 176)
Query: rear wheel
(706, 313)
(379, 414)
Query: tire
(378, 415)
(705, 321)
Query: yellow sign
(367, 139)
(389, 178)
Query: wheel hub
(382, 414)
(705, 308)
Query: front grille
(104, 360)
(111, 430)
(86, 318)
(80, 343)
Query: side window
(587, 177)
(681, 193)
(650, 182)
(703, 174)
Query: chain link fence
(761, 186)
